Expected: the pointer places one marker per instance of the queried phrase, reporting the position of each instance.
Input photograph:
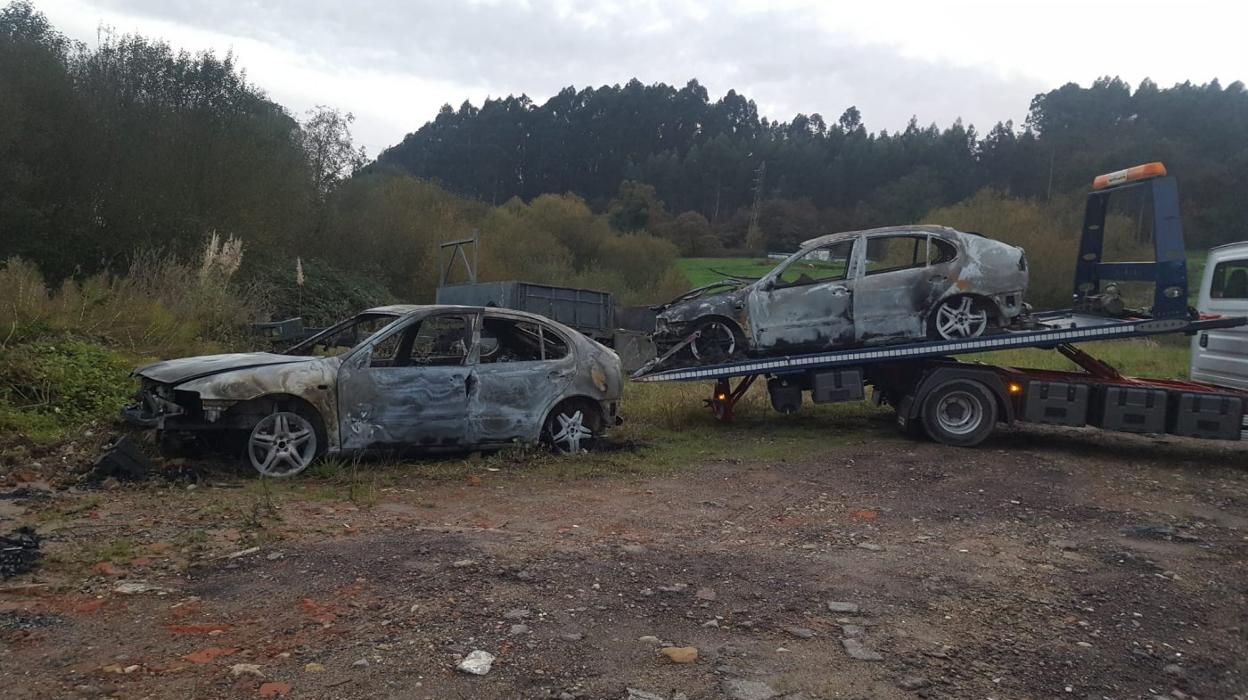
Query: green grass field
(699, 270)
(1164, 357)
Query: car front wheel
(717, 341)
(282, 444)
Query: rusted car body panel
(865, 301)
(371, 396)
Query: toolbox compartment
(836, 385)
(1134, 409)
(1057, 403)
(1213, 416)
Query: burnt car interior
(442, 340)
(895, 253)
(437, 341)
(507, 340)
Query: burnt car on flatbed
(436, 378)
(854, 288)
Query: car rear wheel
(282, 444)
(958, 317)
(572, 427)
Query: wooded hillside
(703, 155)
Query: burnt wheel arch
(979, 302)
(244, 415)
(742, 341)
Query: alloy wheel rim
(960, 320)
(570, 432)
(282, 444)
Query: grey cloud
(782, 60)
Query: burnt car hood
(187, 368)
(714, 289)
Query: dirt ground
(1047, 563)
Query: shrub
(48, 388)
(1048, 231)
(162, 307)
(388, 225)
(328, 293)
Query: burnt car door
(523, 367)
(409, 387)
(897, 286)
(807, 303)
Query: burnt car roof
(405, 309)
(924, 228)
(398, 310)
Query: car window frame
(308, 343)
(543, 328)
(954, 244)
(361, 355)
(926, 238)
(775, 283)
(471, 338)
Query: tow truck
(961, 403)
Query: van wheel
(961, 412)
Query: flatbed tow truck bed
(1056, 328)
(960, 403)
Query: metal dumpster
(588, 311)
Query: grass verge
(704, 271)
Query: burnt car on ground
(855, 288)
(435, 378)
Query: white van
(1221, 356)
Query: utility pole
(753, 235)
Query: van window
(1230, 280)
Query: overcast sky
(395, 62)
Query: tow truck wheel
(961, 413)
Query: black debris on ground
(123, 461)
(19, 551)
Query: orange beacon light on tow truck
(1139, 172)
